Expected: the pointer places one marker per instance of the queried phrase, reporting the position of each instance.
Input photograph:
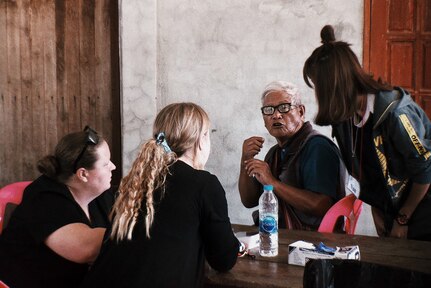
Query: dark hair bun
(327, 34)
(49, 166)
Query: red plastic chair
(11, 193)
(350, 207)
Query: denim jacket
(402, 139)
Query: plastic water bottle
(268, 222)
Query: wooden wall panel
(60, 34)
(397, 35)
(38, 124)
(58, 61)
(87, 62)
(29, 159)
(400, 15)
(111, 115)
(401, 53)
(423, 81)
(3, 83)
(426, 76)
(103, 83)
(13, 105)
(427, 16)
(49, 75)
(377, 61)
(71, 52)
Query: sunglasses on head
(91, 139)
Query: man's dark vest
(288, 172)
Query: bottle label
(268, 224)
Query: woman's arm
(76, 242)
(221, 245)
(417, 193)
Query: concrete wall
(220, 54)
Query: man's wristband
(402, 219)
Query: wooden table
(275, 272)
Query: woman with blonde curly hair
(170, 214)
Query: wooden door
(59, 71)
(397, 45)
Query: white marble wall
(220, 54)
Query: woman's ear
(199, 146)
(82, 174)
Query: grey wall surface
(221, 54)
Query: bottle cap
(267, 187)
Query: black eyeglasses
(91, 139)
(282, 108)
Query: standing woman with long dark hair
(384, 137)
(170, 214)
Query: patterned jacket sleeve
(410, 135)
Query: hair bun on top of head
(327, 34)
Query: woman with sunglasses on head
(170, 214)
(58, 229)
(384, 136)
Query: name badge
(353, 186)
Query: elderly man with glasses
(304, 166)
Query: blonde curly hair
(183, 125)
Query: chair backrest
(12, 194)
(350, 207)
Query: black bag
(337, 273)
